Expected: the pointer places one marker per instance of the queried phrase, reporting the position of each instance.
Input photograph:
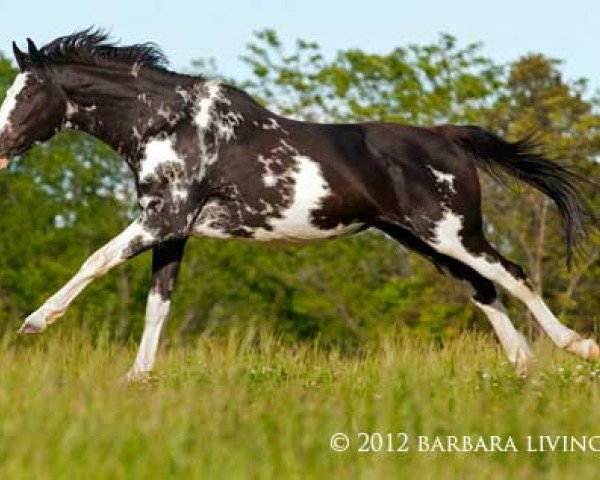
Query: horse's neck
(128, 109)
(124, 109)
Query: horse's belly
(295, 231)
(292, 225)
(278, 206)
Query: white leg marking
(157, 310)
(512, 340)
(561, 335)
(448, 241)
(100, 262)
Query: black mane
(93, 47)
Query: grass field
(250, 406)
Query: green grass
(251, 406)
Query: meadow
(246, 404)
(352, 336)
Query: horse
(210, 161)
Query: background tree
(420, 84)
(535, 98)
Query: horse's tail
(524, 160)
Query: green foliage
(420, 84)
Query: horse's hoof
(35, 323)
(584, 347)
(30, 328)
(524, 361)
(523, 366)
(137, 377)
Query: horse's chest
(281, 207)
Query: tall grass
(247, 405)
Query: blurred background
(517, 68)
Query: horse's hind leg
(484, 296)
(474, 250)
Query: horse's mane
(93, 47)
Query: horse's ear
(20, 57)
(34, 53)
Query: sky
(220, 29)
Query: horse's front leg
(166, 259)
(131, 241)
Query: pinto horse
(209, 161)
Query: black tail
(523, 160)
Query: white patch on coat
(207, 117)
(447, 240)
(179, 192)
(289, 147)
(226, 123)
(135, 69)
(165, 112)
(158, 152)
(183, 93)
(210, 220)
(136, 133)
(269, 180)
(10, 101)
(295, 224)
(272, 124)
(443, 178)
(157, 310)
(278, 150)
(206, 103)
(72, 109)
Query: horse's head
(35, 105)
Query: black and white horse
(210, 161)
